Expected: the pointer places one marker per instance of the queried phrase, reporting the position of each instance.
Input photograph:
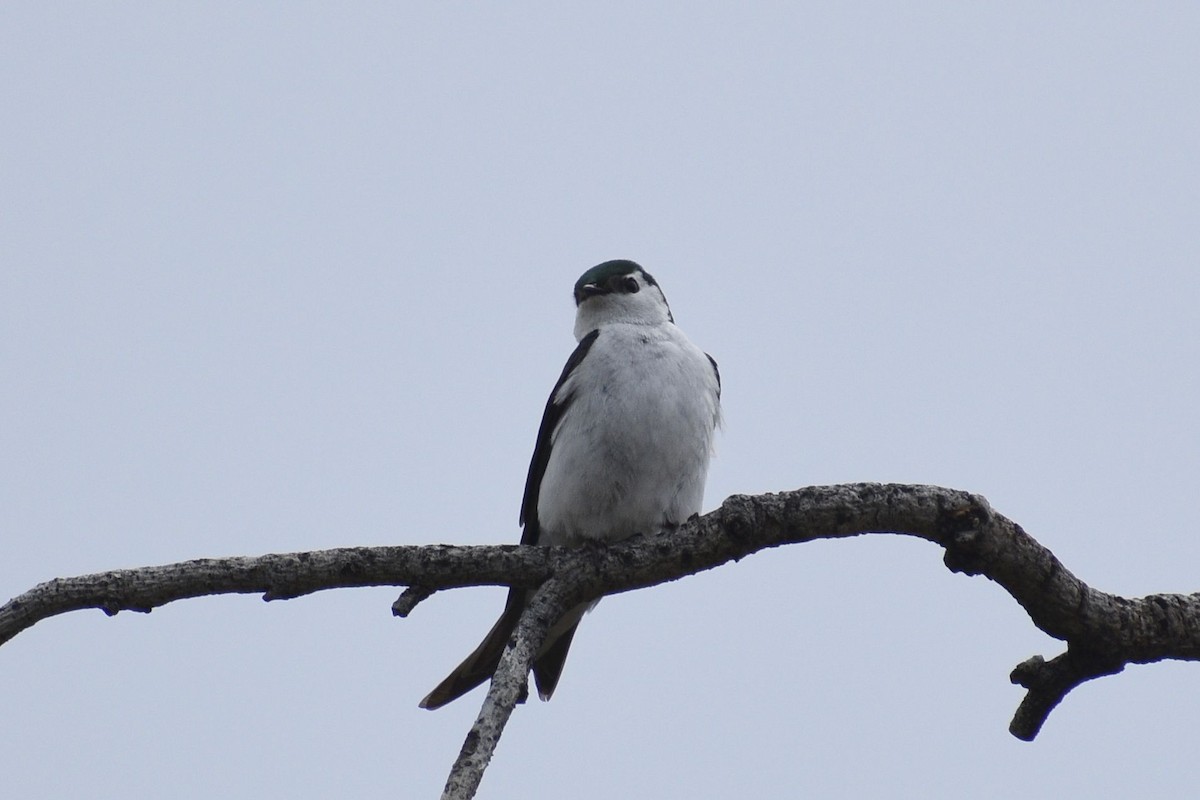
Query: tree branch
(278, 576)
(1103, 632)
(508, 687)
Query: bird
(623, 449)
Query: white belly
(631, 452)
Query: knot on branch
(962, 531)
(739, 515)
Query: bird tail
(481, 664)
(547, 668)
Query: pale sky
(288, 276)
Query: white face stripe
(651, 285)
(654, 287)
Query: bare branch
(410, 598)
(1103, 632)
(1048, 683)
(508, 687)
(279, 576)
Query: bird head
(618, 291)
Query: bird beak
(588, 290)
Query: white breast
(631, 453)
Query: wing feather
(555, 408)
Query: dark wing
(555, 407)
(716, 372)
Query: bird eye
(631, 285)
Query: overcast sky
(283, 276)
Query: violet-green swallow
(623, 448)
